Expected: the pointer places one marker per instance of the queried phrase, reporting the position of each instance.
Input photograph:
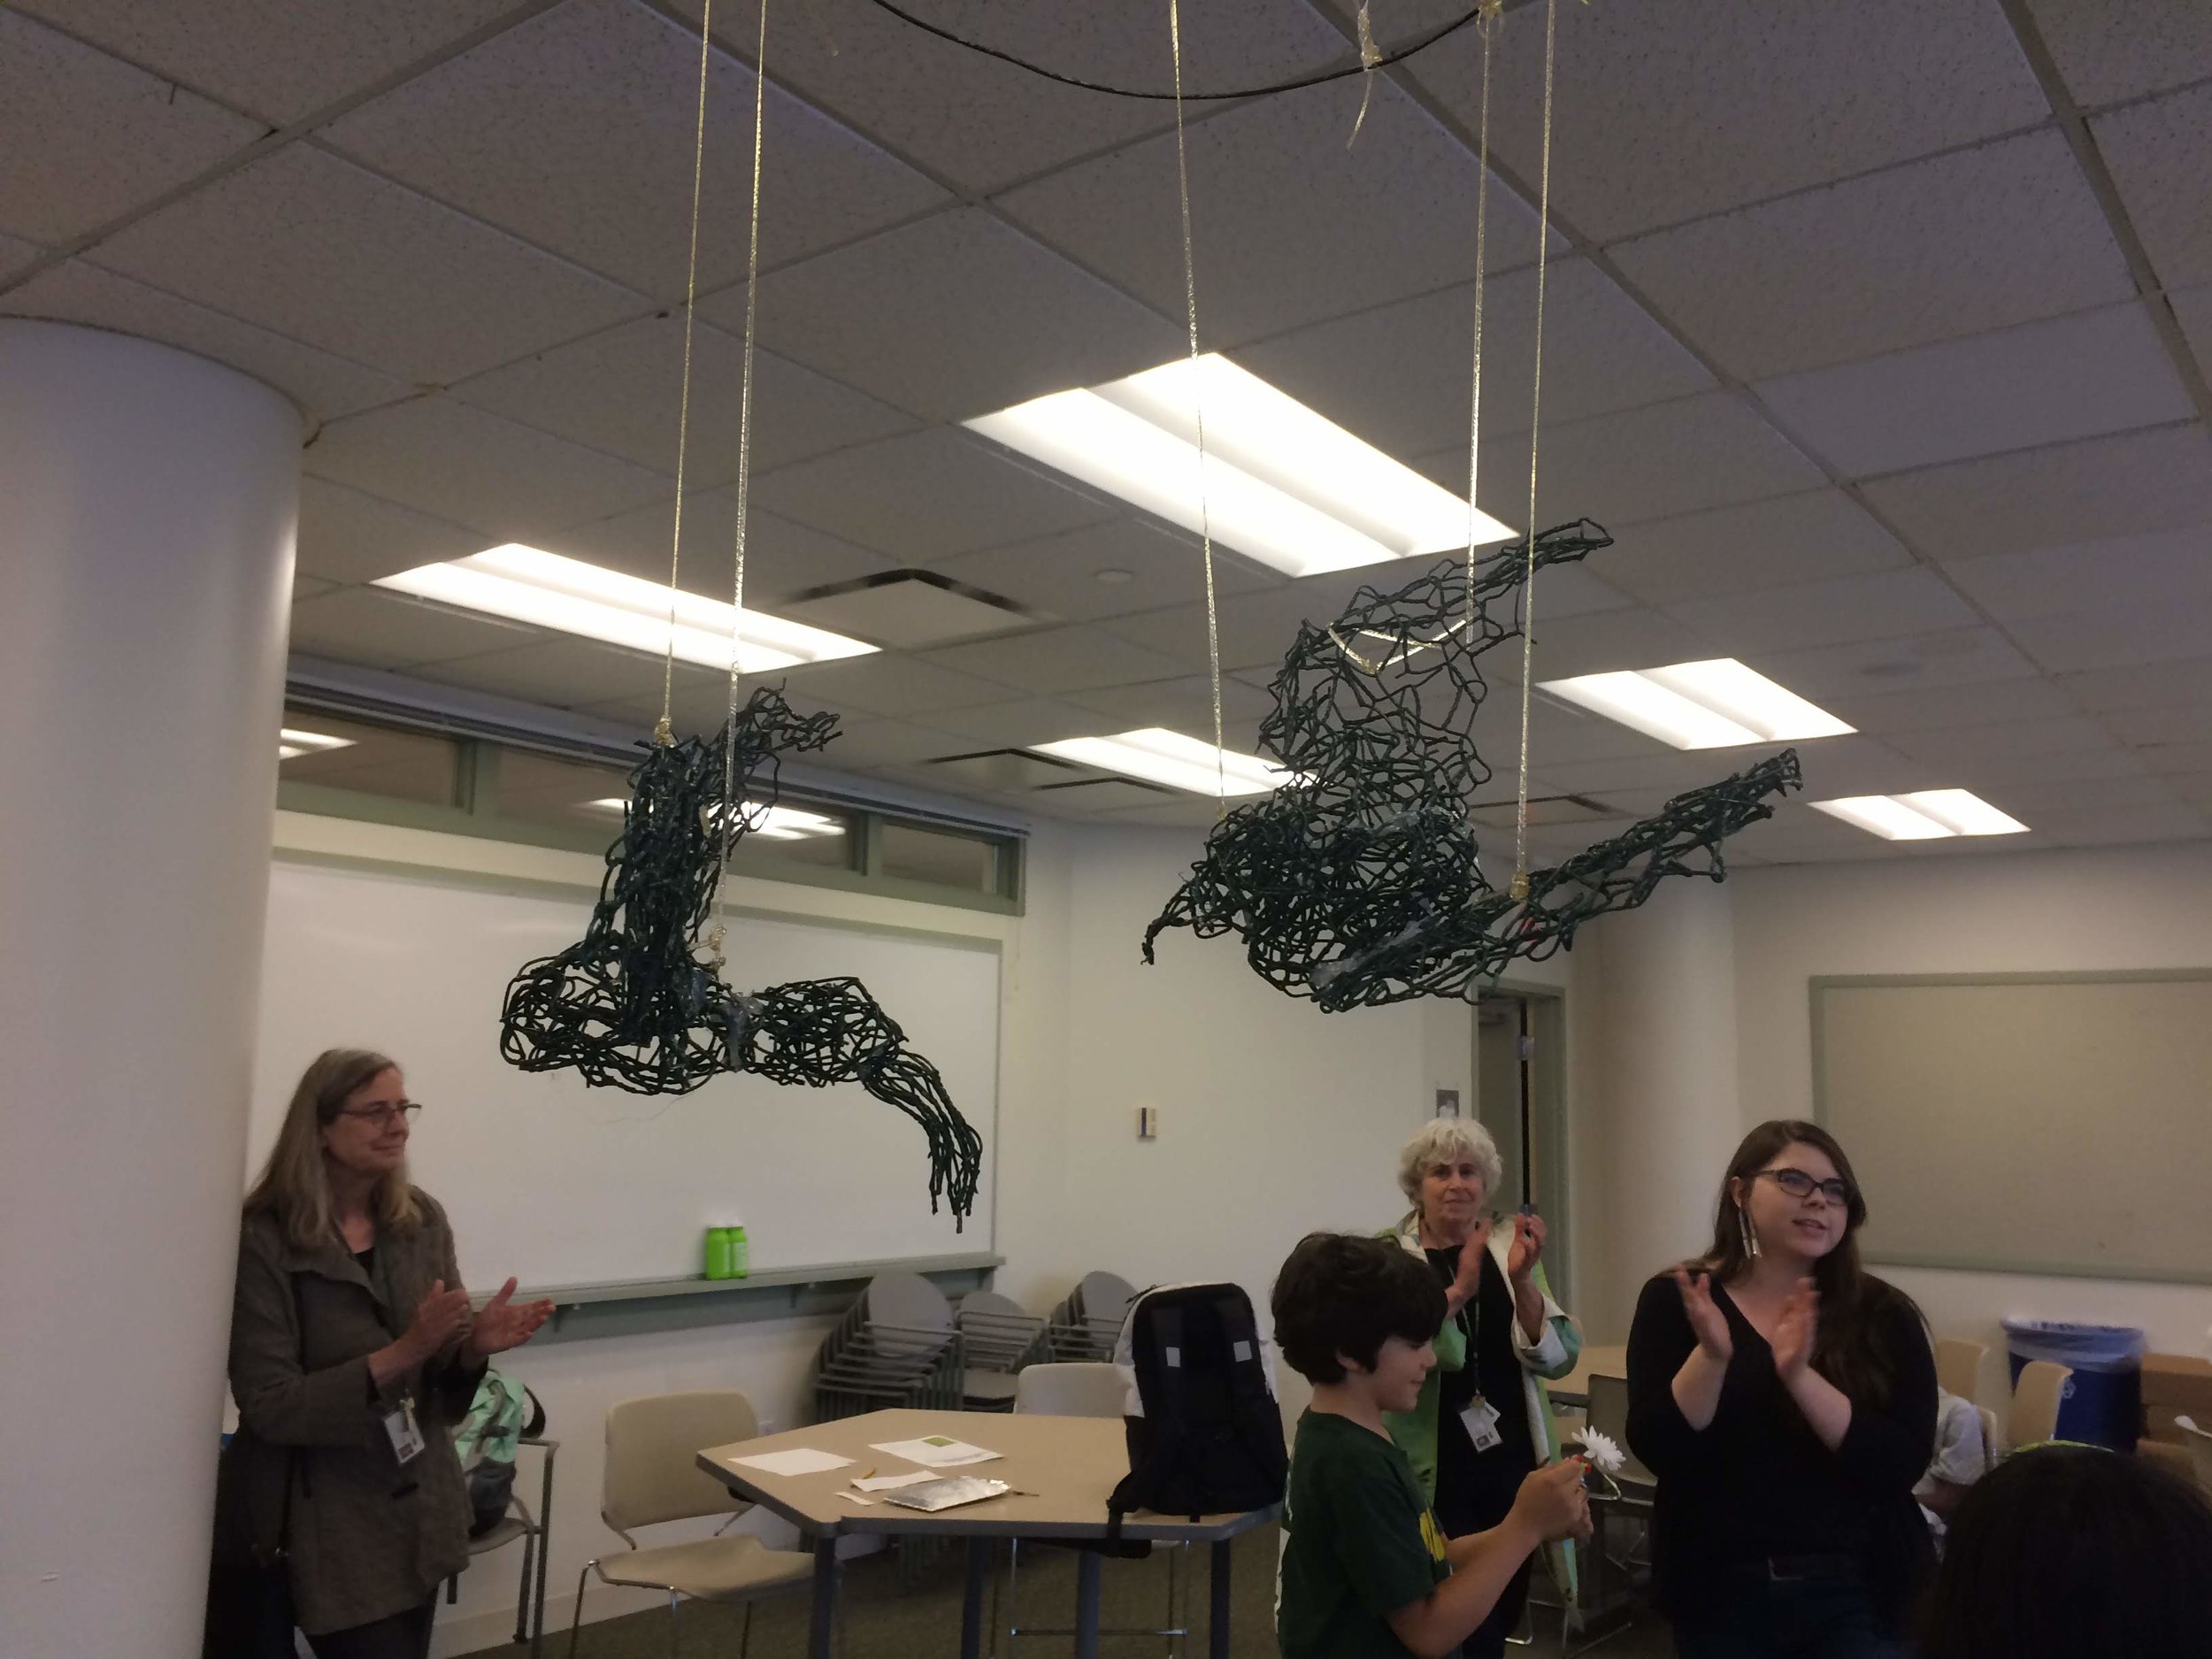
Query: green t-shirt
(1359, 1543)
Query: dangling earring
(1750, 1238)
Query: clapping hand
(1527, 1249)
(1468, 1280)
(437, 1317)
(1796, 1331)
(502, 1323)
(1707, 1323)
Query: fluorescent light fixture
(292, 743)
(527, 584)
(1714, 704)
(1158, 755)
(769, 823)
(1923, 815)
(1283, 485)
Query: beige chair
(2036, 1398)
(1959, 1366)
(2200, 1440)
(1991, 1445)
(652, 1476)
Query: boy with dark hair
(1365, 1569)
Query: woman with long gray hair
(353, 1353)
(1484, 1421)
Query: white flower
(1605, 1455)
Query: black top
(1757, 1483)
(1474, 1490)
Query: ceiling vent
(1007, 770)
(908, 609)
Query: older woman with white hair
(1484, 1421)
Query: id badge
(1481, 1420)
(404, 1432)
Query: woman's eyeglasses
(1797, 1184)
(383, 1116)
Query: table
(1061, 1471)
(1573, 1389)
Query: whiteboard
(2032, 1123)
(564, 1185)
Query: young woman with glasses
(353, 1353)
(1785, 1400)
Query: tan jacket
(368, 1537)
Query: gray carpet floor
(883, 1617)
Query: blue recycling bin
(2103, 1404)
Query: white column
(148, 500)
(1667, 1117)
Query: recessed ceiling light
(1923, 815)
(527, 584)
(1159, 755)
(1283, 485)
(774, 822)
(1713, 704)
(292, 743)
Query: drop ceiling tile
(1672, 771)
(2142, 686)
(1181, 704)
(324, 387)
(1954, 245)
(512, 482)
(1969, 657)
(2193, 307)
(1400, 375)
(1289, 226)
(702, 704)
(1182, 812)
(1600, 642)
(375, 629)
(1710, 450)
(563, 673)
(604, 176)
(2196, 788)
(1880, 606)
(1883, 714)
(2014, 388)
(2172, 567)
(620, 392)
(16, 255)
(2177, 759)
(1775, 543)
(1668, 114)
(2117, 825)
(2116, 636)
(926, 495)
(308, 587)
(312, 246)
(2027, 801)
(280, 62)
(1964, 747)
(1057, 660)
(2131, 484)
(2156, 151)
(781, 558)
(1985, 772)
(955, 316)
(986, 124)
(873, 742)
(2151, 728)
(350, 536)
(1017, 723)
(886, 683)
(2110, 50)
(88, 137)
(1058, 575)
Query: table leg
(1086, 1604)
(1217, 1623)
(821, 1639)
(972, 1604)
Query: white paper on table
(891, 1483)
(938, 1451)
(800, 1459)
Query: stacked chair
(898, 1346)
(1086, 1327)
(997, 1339)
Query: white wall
(1980, 913)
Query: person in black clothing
(1785, 1400)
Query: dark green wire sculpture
(638, 1003)
(1361, 882)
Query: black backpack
(1209, 1440)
